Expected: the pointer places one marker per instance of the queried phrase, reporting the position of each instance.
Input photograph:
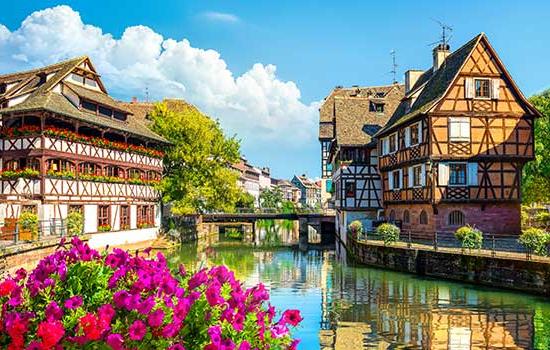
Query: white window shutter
(390, 179)
(495, 89)
(472, 174)
(443, 174)
(423, 175)
(465, 128)
(401, 178)
(420, 133)
(410, 179)
(385, 148)
(469, 87)
(407, 137)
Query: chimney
(134, 99)
(440, 53)
(411, 77)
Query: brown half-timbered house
(355, 115)
(67, 145)
(453, 152)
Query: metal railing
(278, 211)
(14, 234)
(493, 244)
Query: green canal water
(357, 307)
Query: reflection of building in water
(418, 314)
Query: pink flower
(53, 311)
(215, 334)
(294, 344)
(115, 341)
(176, 347)
(73, 302)
(137, 330)
(244, 345)
(6, 287)
(238, 322)
(279, 331)
(51, 333)
(156, 318)
(291, 317)
(213, 294)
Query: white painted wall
(133, 216)
(100, 240)
(90, 218)
(115, 217)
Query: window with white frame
(459, 129)
(394, 179)
(482, 88)
(414, 132)
(417, 176)
(457, 174)
(393, 143)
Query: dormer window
(78, 78)
(376, 107)
(482, 88)
(120, 116)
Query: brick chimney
(411, 77)
(440, 53)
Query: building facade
(68, 146)
(290, 192)
(355, 115)
(310, 192)
(453, 152)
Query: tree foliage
(271, 197)
(536, 174)
(197, 177)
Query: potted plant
(28, 226)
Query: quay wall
(500, 272)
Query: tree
(245, 200)
(271, 197)
(197, 177)
(536, 174)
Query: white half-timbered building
(67, 145)
(349, 118)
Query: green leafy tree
(197, 177)
(245, 200)
(536, 174)
(271, 197)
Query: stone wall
(510, 273)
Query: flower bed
(79, 299)
(75, 137)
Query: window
(60, 165)
(29, 209)
(417, 176)
(91, 82)
(393, 143)
(457, 174)
(482, 88)
(350, 189)
(392, 216)
(87, 168)
(75, 208)
(423, 218)
(406, 217)
(376, 107)
(104, 111)
(459, 129)
(11, 165)
(135, 174)
(113, 171)
(120, 116)
(124, 217)
(103, 215)
(396, 179)
(77, 78)
(2, 88)
(414, 130)
(89, 106)
(456, 218)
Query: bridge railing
(278, 211)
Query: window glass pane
(105, 111)
(92, 107)
(414, 134)
(482, 88)
(120, 116)
(457, 174)
(77, 78)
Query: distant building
(290, 192)
(310, 191)
(252, 179)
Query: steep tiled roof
(97, 96)
(435, 85)
(355, 122)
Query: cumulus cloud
(262, 109)
(220, 17)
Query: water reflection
(347, 307)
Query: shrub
(28, 221)
(535, 240)
(469, 237)
(75, 223)
(77, 298)
(355, 228)
(389, 232)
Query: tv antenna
(446, 31)
(394, 66)
(147, 94)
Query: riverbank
(512, 271)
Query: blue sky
(314, 46)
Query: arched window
(60, 165)
(113, 171)
(423, 217)
(456, 218)
(11, 164)
(87, 168)
(392, 215)
(406, 217)
(135, 174)
(153, 175)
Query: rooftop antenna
(445, 33)
(394, 66)
(147, 94)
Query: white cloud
(262, 109)
(220, 17)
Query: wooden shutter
(407, 137)
(390, 179)
(410, 179)
(443, 174)
(401, 185)
(472, 174)
(465, 128)
(423, 175)
(469, 87)
(420, 132)
(495, 88)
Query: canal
(357, 307)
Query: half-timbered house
(67, 146)
(356, 114)
(453, 152)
